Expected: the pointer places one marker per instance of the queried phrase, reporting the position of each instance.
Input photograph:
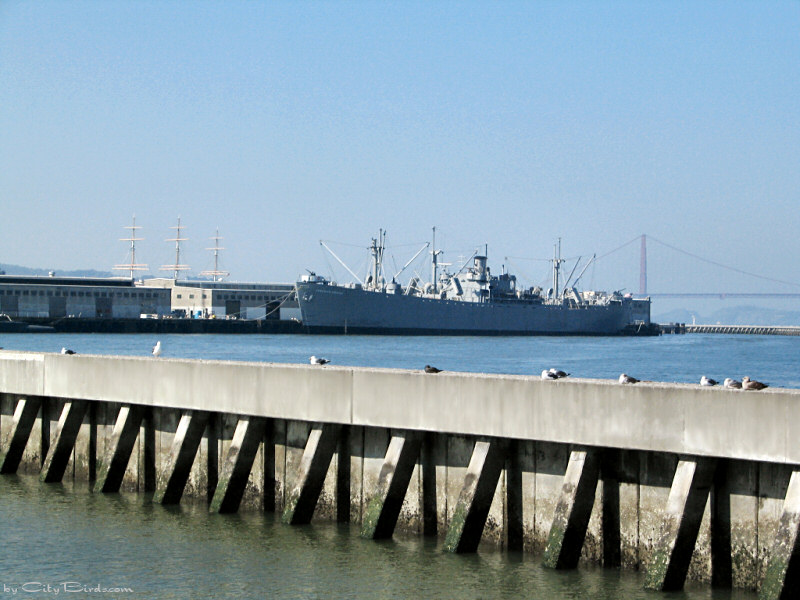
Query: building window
(179, 296)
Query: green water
(62, 540)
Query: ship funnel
(480, 265)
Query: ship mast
(216, 274)
(177, 267)
(133, 265)
(434, 254)
(376, 248)
(557, 260)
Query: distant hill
(734, 315)
(18, 270)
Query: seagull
(157, 349)
(67, 351)
(430, 369)
(318, 361)
(732, 384)
(548, 375)
(558, 373)
(708, 382)
(627, 379)
(749, 384)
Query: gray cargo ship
(471, 301)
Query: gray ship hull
(336, 309)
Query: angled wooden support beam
(172, 479)
(782, 578)
(118, 453)
(17, 437)
(302, 501)
(687, 500)
(475, 500)
(398, 465)
(238, 463)
(568, 530)
(69, 425)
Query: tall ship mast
(177, 267)
(216, 274)
(132, 266)
(467, 301)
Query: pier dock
(680, 481)
(744, 329)
(731, 329)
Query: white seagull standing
(707, 381)
(314, 360)
(549, 375)
(623, 378)
(157, 349)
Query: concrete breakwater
(676, 480)
(730, 329)
(744, 329)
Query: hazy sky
(502, 123)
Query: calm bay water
(63, 538)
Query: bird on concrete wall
(751, 384)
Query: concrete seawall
(677, 480)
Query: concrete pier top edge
(656, 416)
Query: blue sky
(502, 123)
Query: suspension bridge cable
(716, 264)
(637, 238)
